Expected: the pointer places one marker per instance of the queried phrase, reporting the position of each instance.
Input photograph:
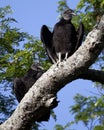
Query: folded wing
(80, 34)
(46, 37)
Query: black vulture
(23, 84)
(64, 40)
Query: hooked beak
(74, 14)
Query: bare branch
(94, 75)
(33, 104)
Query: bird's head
(37, 67)
(67, 14)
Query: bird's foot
(66, 56)
(57, 63)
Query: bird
(21, 85)
(64, 40)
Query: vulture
(64, 40)
(23, 84)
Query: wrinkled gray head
(37, 67)
(67, 14)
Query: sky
(31, 15)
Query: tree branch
(94, 75)
(45, 89)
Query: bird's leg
(59, 57)
(52, 57)
(66, 55)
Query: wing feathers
(46, 38)
(80, 34)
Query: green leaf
(98, 127)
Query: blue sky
(31, 15)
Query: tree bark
(94, 75)
(42, 94)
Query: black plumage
(23, 84)
(64, 40)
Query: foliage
(88, 11)
(89, 110)
(18, 50)
(67, 126)
(91, 12)
(7, 107)
(62, 5)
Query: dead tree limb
(94, 75)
